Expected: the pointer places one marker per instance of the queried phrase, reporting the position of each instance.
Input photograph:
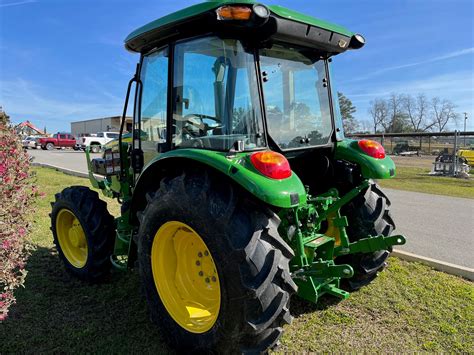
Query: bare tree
(365, 126)
(379, 112)
(417, 110)
(397, 118)
(443, 113)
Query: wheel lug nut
(207, 280)
(200, 254)
(198, 263)
(201, 273)
(206, 253)
(214, 279)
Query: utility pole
(465, 121)
(455, 158)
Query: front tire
(250, 263)
(83, 231)
(49, 146)
(367, 214)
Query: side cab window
(154, 99)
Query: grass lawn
(417, 179)
(408, 308)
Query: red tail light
(372, 148)
(271, 164)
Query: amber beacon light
(257, 13)
(234, 13)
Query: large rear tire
(248, 280)
(368, 214)
(83, 232)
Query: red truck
(58, 140)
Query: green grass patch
(417, 179)
(410, 307)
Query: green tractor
(236, 184)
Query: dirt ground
(424, 161)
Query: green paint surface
(200, 8)
(240, 169)
(372, 168)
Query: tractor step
(119, 258)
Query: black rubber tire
(368, 214)
(49, 146)
(98, 227)
(251, 258)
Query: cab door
(154, 104)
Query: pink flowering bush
(17, 194)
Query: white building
(105, 124)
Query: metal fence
(425, 143)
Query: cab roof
(137, 40)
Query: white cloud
(450, 85)
(22, 100)
(446, 56)
(431, 60)
(17, 3)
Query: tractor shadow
(300, 306)
(55, 312)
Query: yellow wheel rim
(71, 238)
(186, 277)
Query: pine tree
(347, 112)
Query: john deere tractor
(236, 184)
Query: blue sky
(62, 61)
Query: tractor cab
(240, 76)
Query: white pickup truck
(97, 142)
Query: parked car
(58, 140)
(96, 143)
(405, 149)
(79, 137)
(30, 142)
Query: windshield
(216, 101)
(296, 98)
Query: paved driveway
(438, 227)
(63, 158)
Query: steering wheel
(197, 121)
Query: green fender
(284, 193)
(372, 168)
